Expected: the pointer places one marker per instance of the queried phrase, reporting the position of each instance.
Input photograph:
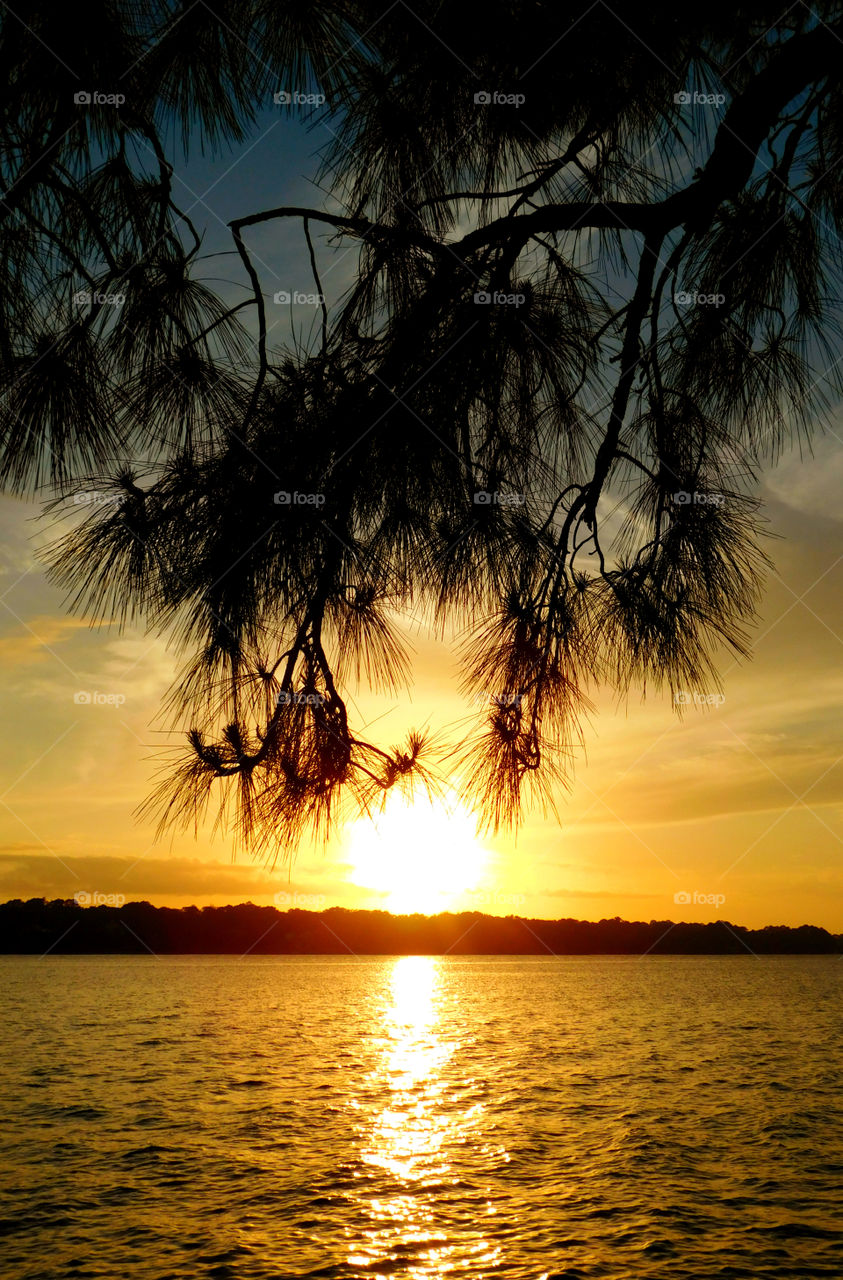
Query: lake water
(194, 1117)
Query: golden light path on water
(410, 1143)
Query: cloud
(599, 893)
(27, 875)
(811, 483)
(34, 640)
(38, 875)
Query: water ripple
(588, 1119)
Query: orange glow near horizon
(422, 855)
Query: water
(313, 1116)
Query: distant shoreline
(64, 927)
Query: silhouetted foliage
(512, 421)
(138, 928)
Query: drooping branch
(629, 363)
(458, 360)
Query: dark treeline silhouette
(62, 926)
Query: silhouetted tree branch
(515, 419)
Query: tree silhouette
(598, 252)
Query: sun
(418, 855)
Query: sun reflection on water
(408, 1135)
(415, 1134)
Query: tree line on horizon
(63, 927)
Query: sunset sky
(741, 801)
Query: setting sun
(421, 855)
(421, 787)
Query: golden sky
(738, 804)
